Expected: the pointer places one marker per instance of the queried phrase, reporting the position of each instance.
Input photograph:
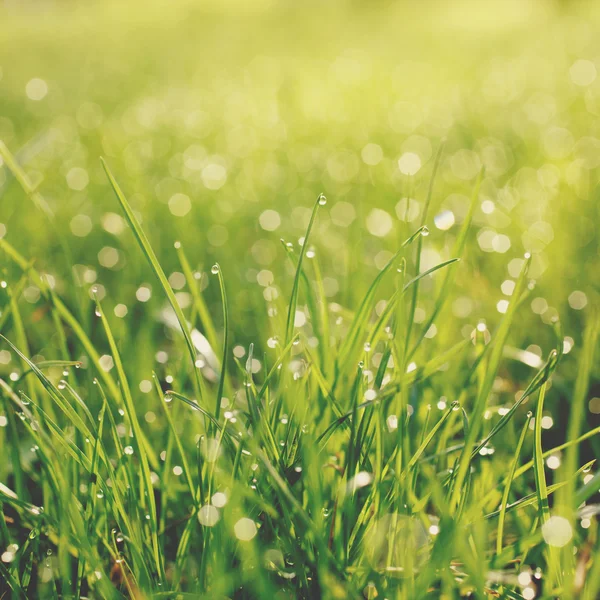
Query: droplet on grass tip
(214, 269)
(322, 200)
(425, 231)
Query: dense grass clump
(322, 323)
(327, 465)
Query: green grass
(235, 363)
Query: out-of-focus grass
(222, 123)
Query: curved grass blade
(506, 492)
(158, 271)
(415, 294)
(457, 251)
(289, 328)
(148, 497)
(486, 388)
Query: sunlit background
(223, 121)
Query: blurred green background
(224, 120)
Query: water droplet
(119, 538)
(33, 534)
(65, 373)
(425, 231)
(99, 494)
(94, 289)
(214, 269)
(62, 384)
(168, 398)
(128, 450)
(177, 245)
(367, 347)
(322, 200)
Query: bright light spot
(379, 222)
(583, 72)
(372, 154)
(409, 163)
(594, 406)
(488, 207)
(528, 593)
(269, 220)
(177, 470)
(392, 422)
(539, 306)
(77, 178)
(219, 499)
(508, 287)
(299, 319)
(143, 293)
(208, 515)
(342, 213)
(577, 300)
(360, 480)
(444, 220)
(3, 421)
(120, 310)
(568, 344)
(180, 205)
(214, 176)
(408, 209)
(145, 386)
(113, 223)
(501, 243)
(245, 529)
(106, 362)
(524, 578)
(80, 225)
(108, 257)
(502, 306)
(547, 422)
(553, 462)
(177, 280)
(557, 531)
(36, 89)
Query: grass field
(299, 300)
